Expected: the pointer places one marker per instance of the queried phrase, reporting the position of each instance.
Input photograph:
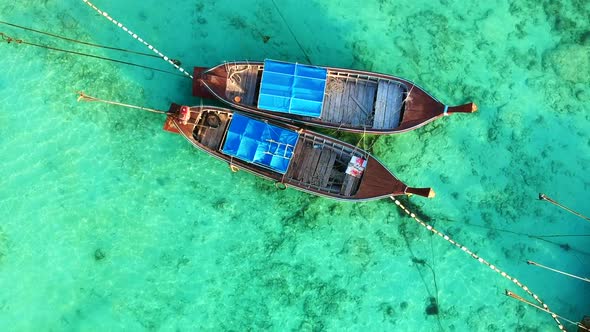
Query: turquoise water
(110, 224)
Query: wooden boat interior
(351, 99)
(210, 127)
(321, 165)
(316, 164)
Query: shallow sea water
(109, 223)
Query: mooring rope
(292, 33)
(81, 41)
(417, 262)
(10, 40)
(519, 298)
(534, 236)
(564, 246)
(84, 97)
(479, 259)
(544, 197)
(139, 39)
(558, 271)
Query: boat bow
(209, 83)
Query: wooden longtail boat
(286, 154)
(343, 99)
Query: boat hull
(354, 102)
(320, 165)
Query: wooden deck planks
(329, 167)
(360, 104)
(350, 183)
(394, 104)
(381, 105)
(297, 158)
(304, 162)
(388, 105)
(371, 95)
(316, 167)
(336, 114)
(310, 170)
(352, 108)
(324, 167)
(243, 84)
(365, 96)
(340, 105)
(313, 166)
(212, 137)
(326, 107)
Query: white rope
(557, 271)
(84, 97)
(136, 37)
(479, 259)
(515, 296)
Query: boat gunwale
(409, 85)
(262, 172)
(368, 73)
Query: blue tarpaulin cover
(260, 143)
(292, 88)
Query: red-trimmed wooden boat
(342, 99)
(289, 155)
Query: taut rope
(479, 259)
(81, 41)
(558, 271)
(10, 40)
(292, 34)
(139, 39)
(85, 97)
(544, 197)
(554, 315)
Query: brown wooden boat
(343, 99)
(289, 155)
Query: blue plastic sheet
(260, 143)
(292, 88)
